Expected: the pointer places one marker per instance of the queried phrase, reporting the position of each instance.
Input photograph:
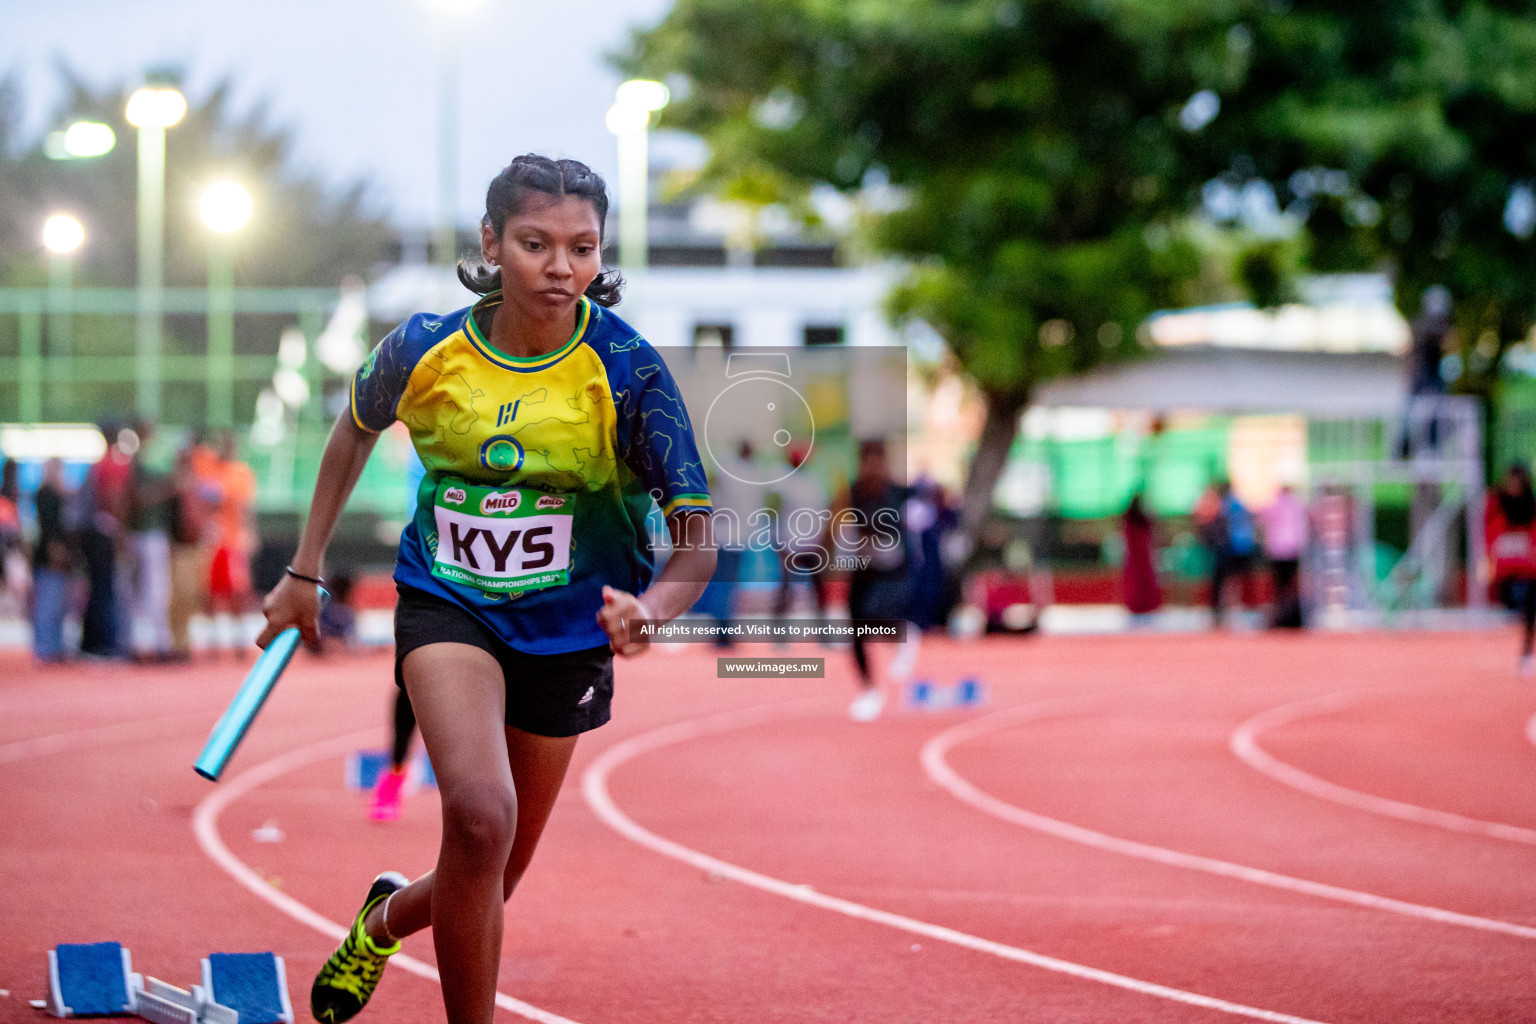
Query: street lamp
(629, 118)
(152, 110)
(226, 208)
(62, 236)
(79, 141)
(449, 13)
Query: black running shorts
(547, 694)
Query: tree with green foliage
(1040, 151)
(1404, 135)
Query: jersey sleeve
(662, 449)
(381, 380)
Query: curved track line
(938, 769)
(1245, 744)
(60, 742)
(1530, 729)
(205, 825)
(594, 785)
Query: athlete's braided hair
(510, 189)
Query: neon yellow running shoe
(345, 983)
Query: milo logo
(549, 501)
(500, 501)
(455, 496)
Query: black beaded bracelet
(316, 580)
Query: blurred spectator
(338, 619)
(229, 570)
(188, 522)
(1285, 538)
(107, 501)
(735, 495)
(150, 499)
(14, 574)
(1236, 544)
(802, 519)
(930, 518)
(1143, 595)
(1509, 519)
(52, 561)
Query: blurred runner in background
(879, 588)
(1143, 595)
(1509, 518)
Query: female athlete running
(547, 426)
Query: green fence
(72, 355)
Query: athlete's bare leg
(497, 796)
(460, 702)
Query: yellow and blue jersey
(540, 471)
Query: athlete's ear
(490, 244)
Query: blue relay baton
(231, 727)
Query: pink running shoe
(386, 795)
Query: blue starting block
(96, 979)
(365, 766)
(90, 979)
(926, 695)
(254, 985)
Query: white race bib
(502, 539)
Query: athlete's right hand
(293, 602)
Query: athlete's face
(549, 252)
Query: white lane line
(1530, 729)
(594, 786)
(61, 742)
(1245, 744)
(205, 825)
(937, 767)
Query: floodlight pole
(220, 364)
(151, 267)
(634, 186)
(61, 278)
(445, 241)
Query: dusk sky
(355, 80)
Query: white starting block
(162, 1003)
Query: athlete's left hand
(620, 606)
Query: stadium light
(152, 110)
(81, 140)
(62, 234)
(226, 208)
(156, 107)
(629, 118)
(642, 93)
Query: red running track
(1088, 849)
